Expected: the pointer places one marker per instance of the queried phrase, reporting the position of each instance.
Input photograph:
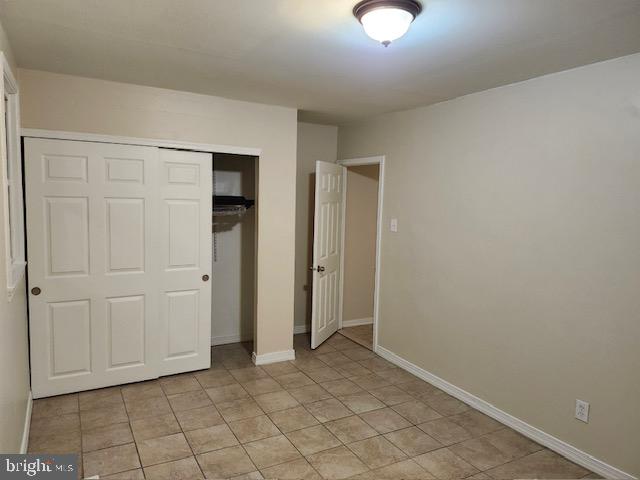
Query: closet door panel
(125, 235)
(91, 253)
(126, 331)
(183, 234)
(185, 313)
(69, 322)
(67, 236)
(182, 318)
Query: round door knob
(36, 290)
(205, 278)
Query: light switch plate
(582, 410)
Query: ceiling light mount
(386, 20)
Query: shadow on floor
(362, 335)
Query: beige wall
(14, 363)
(5, 48)
(516, 268)
(62, 102)
(360, 242)
(315, 142)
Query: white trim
(376, 160)
(273, 357)
(342, 244)
(357, 322)
(376, 295)
(17, 275)
(24, 445)
(543, 438)
(356, 162)
(298, 329)
(13, 221)
(149, 142)
(226, 339)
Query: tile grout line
(182, 430)
(281, 432)
(302, 456)
(81, 455)
(135, 443)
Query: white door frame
(149, 142)
(356, 162)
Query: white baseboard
(535, 434)
(357, 321)
(273, 357)
(225, 339)
(24, 445)
(298, 329)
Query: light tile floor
(361, 334)
(337, 412)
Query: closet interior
(233, 249)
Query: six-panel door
(96, 234)
(185, 247)
(327, 251)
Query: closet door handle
(205, 278)
(318, 269)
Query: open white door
(118, 240)
(327, 251)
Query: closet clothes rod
(226, 205)
(232, 201)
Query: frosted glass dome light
(386, 20)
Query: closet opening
(233, 279)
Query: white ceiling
(312, 54)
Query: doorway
(347, 226)
(360, 239)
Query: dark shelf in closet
(232, 201)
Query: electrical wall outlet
(394, 225)
(582, 410)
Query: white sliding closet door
(91, 254)
(185, 243)
(97, 238)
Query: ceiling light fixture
(386, 20)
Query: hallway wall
(361, 215)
